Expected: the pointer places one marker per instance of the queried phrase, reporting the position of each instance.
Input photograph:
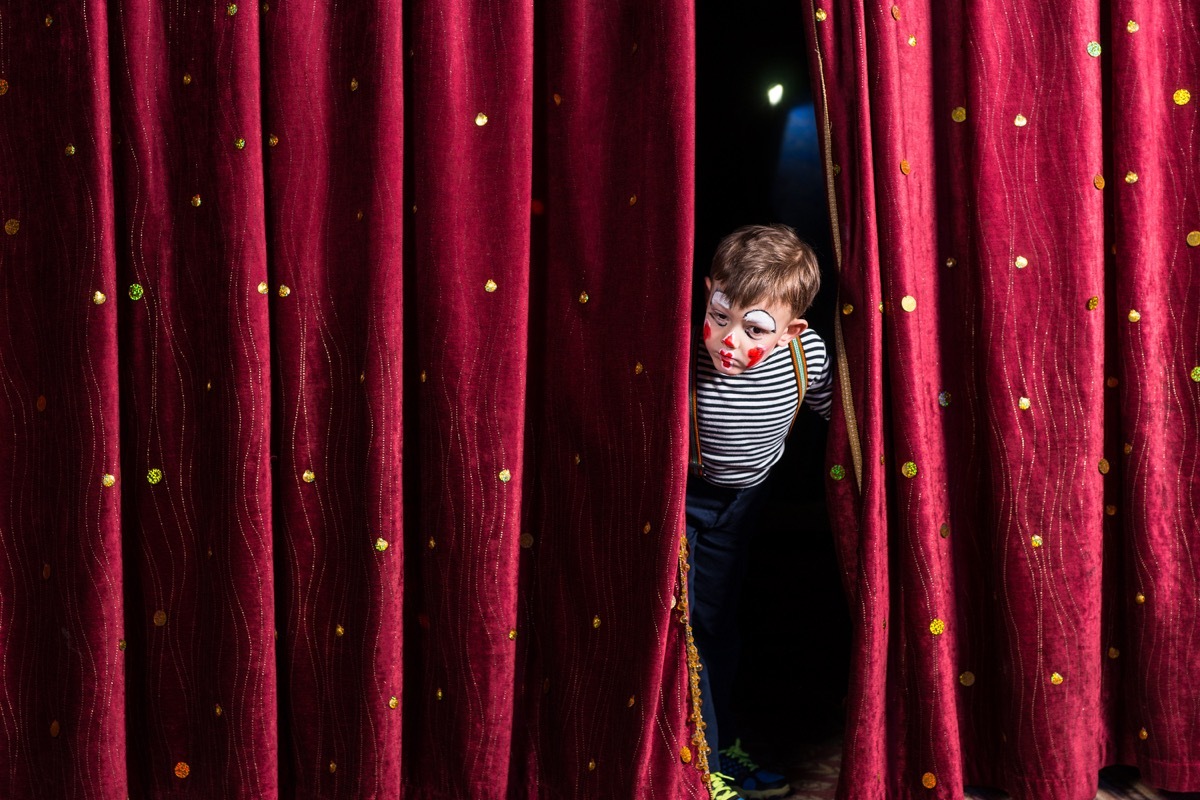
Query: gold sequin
(896, 12)
(1093, 49)
(12, 226)
(121, 645)
(1103, 466)
(108, 480)
(1181, 97)
(1132, 26)
(1131, 177)
(309, 476)
(929, 780)
(160, 618)
(284, 290)
(847, 309)
(1093, 303)
(438, 694)
(909, 470)
(505, 476)
(272, 140)
(967, 678)
(944, 531)
(633, 199)
(685, 754)
(1110, 510)
(1143, 734)
(431, 543)
(1056, 678)
(239, 143)
(1193, 238)
(908, 303)
(393, 702)
(1098, 181)
(596, 622)
(263, 288)
(1020, 121)
(526, 540)
(339, 631)
(583, 297)
(490, 286)
(557, 99)
(821, 15)
(1021, 262)
(69, 150)
(646, 528)
(231, 9)
(196, 201)
(1113, 652)
(381, 544)
(332, 767)
(481, 119)
(1035, 540)
(154, 475)
(959, 114)
(512, 634)
(218, 710)
(45, 572)
(905, 167)
(1134, 315)
(1139, 598)
(354, 86)
(1111, 382)
(638, 368)
(187, 79)
(937, 627)
(1024, 403)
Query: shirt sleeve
(819, 396)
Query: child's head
(763, 278)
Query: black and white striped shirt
(743, 420)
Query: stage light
(775, 94)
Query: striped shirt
(743, 420)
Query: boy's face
(738, 338)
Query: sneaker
(719, 789)
(749, 779)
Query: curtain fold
(1013, 471)
(343, 360)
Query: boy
(757, 361)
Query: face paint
(755, 355)
(707, 331)
(760, 318)
(728, 341)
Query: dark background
(757, 163)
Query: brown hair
(759, 263)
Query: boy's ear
(792, 330)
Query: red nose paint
(728, 341)
(707, 331)
(755, 355)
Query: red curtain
(1013, 470)
(343, 364)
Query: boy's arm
(819, 396)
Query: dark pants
(720, 522)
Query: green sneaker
(748, 778)
(718, 789)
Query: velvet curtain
(343, 366)
(1013, 471)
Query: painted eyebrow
(760, 318)
(721, 299)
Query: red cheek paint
(707, 331)
(728, 341)
(755, 355)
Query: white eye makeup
(760, 318)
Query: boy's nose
(728, 341)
